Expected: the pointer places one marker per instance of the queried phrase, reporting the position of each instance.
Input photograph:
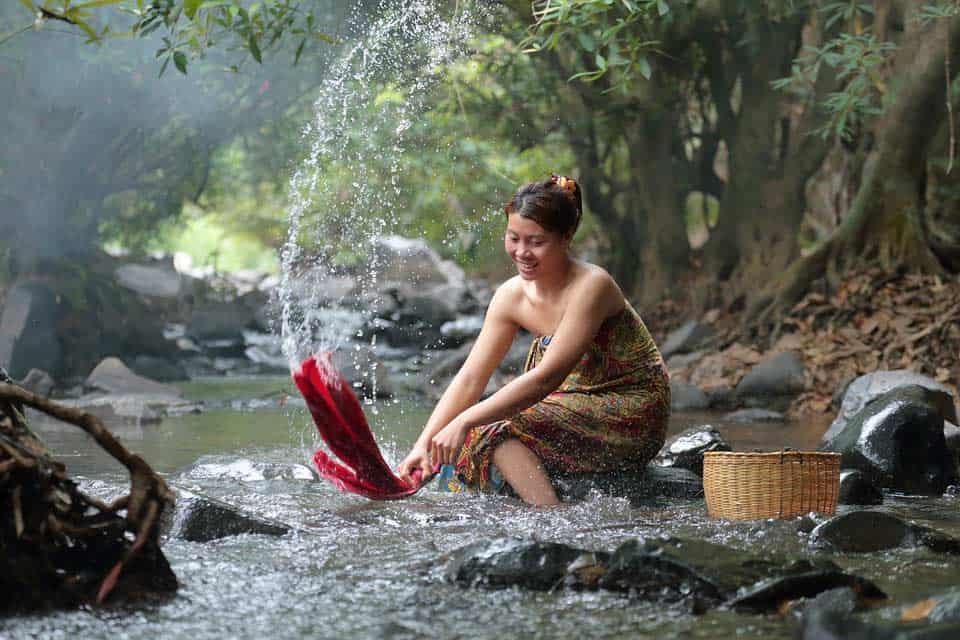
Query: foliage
(189, 28)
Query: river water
(351, 568)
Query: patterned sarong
(610, 414)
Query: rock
(654, 484)
(866, 531)
(516, 358)
(448, 363)
(38, 382)
(686, 449)
(244, 470)
(686, 397)
(779, 375)
(767, 596)
(112, 376)
(159, 369)
(412, 265)
(946, 607)
(835, 625)
(685, 338)
(679, 361)
(28, 330)
(841, 600)
(897, 439)
(951, 434)
(857, 488)
(755, 415)
(198, 518)
(511, 562)
(215, 321)
(724, 398)
(872, 385)
(462, 328)
(154, 281)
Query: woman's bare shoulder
(507, 296)
(599, 279)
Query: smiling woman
(596, 401)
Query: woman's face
(533, 249)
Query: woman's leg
(524, 471)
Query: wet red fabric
(339, 418)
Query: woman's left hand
(445, 445)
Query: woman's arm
(496, 336)
(595, 298)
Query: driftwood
(58, 546)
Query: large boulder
(156, 368)
(686, 449)
(872, 385)
(216, 321)
(39, 382)
(897, 440)
(363, 371)
(29, 336)
(857, 488)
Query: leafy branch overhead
(616, 36)
(190, 27)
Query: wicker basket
(782, 484)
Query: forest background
(780, 168)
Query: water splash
(345, 195)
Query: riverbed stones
(687, 397)
(685, 338)
(220, 321)
(29, 336)
(779, 375)
(897, 439)
(154, 281)
(754, 415)
(857, 488)
(39, 382)
(512, 562)
(872, 385)
(200, 518)
(159, 369)
(768, 596)
(112, 376)
(686, 449)
(867, 531)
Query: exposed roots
(58, 546)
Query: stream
(360, 569)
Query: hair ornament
(565, 183)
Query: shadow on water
(361, 569)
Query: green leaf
(662, 7)
(586, 41)
(180, 60)
(95, 3)
(254, 49)
(29, 5)
(643, 66)
(299, 51)
(190, 7)
(211, 4)
(601, 62)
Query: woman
(597, 399)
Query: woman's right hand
(418, 458)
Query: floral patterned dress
(610, 414)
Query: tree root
(55, 537)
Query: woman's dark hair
(555, 204)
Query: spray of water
(345, 195)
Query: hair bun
(565, 183)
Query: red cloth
(342, 425)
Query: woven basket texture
(782, 484)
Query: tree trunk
(886, 219)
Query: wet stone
(199, 518)
(232, 468)
(897, 439)
(685, 450)
(512, 562)
(652, 485)
(866, 531)
(755, 415)
(770, 595)
(857, 488)
(779, 375)
(687, 397)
